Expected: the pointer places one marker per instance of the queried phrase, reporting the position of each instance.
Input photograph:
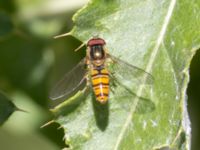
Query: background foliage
(31, 61)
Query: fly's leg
(87, 63)
(88, 80)
(87, 88)
(113, 83)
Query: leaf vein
(148, 69)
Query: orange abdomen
(100, 84)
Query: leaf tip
(48, 123)
(62, 35)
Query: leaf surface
(158, 36)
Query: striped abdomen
(100, 84)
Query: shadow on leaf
(101, 112)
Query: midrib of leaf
(148, 69)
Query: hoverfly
(94, 69)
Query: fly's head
(96, 50)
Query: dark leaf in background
(6, 25)
(6, 108)
(8, 5)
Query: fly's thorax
(96, 54)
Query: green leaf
(160, 37)
(6, 108)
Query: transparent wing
(128, 74)
(72, 81)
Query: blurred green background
(31, 61)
